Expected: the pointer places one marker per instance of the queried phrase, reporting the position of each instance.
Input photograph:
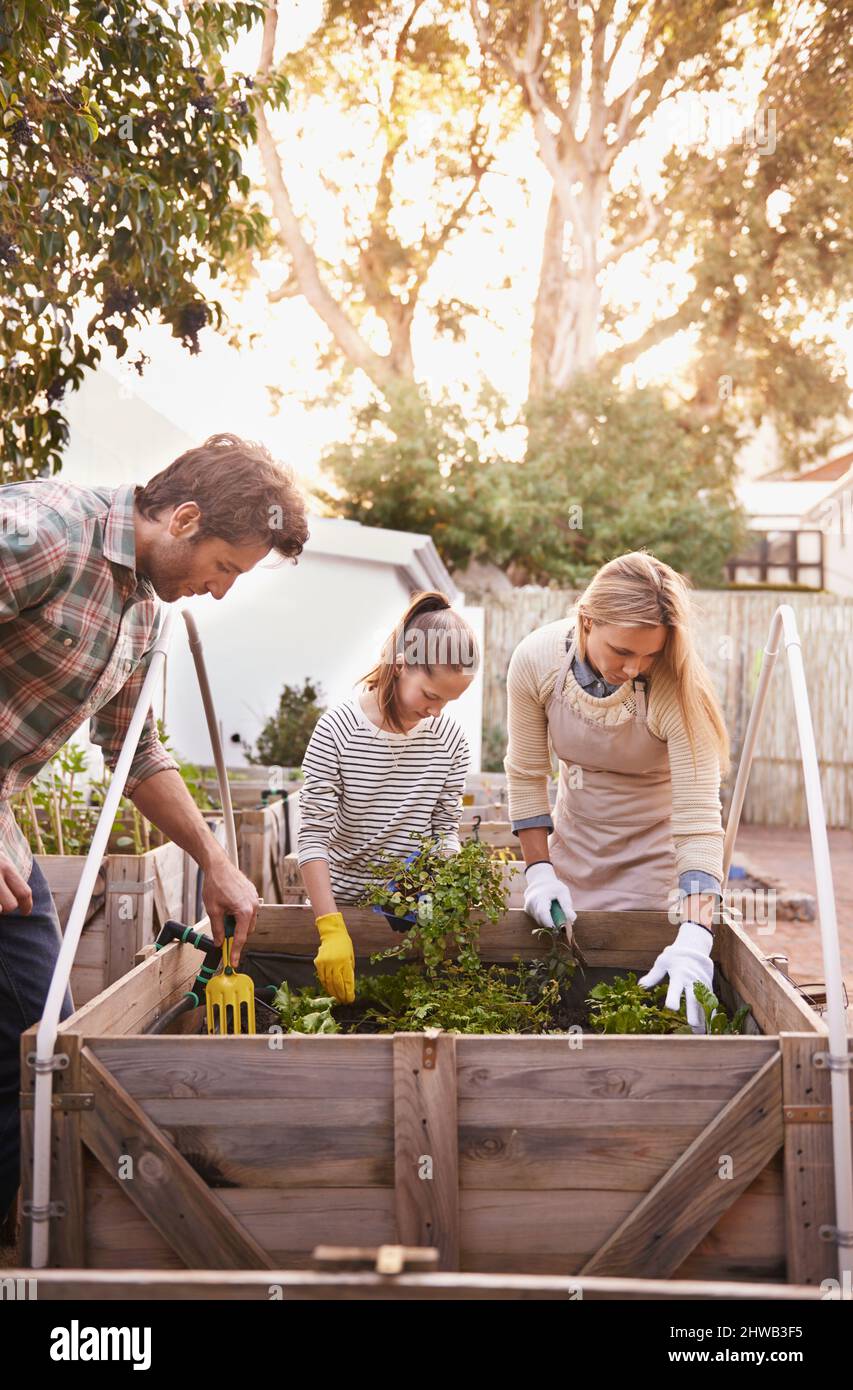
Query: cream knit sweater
(696, 810)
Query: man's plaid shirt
(77, 625)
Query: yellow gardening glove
(335, 960)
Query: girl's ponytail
(429, 634)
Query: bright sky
(221, 389)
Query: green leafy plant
(58, 812)
(445, 894)
(284, 737)
(122, 190)
(716, 1018)
(304, 1010)
(626, 1007)
(549, 977)
(456, 999)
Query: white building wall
(324, 619)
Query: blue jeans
(29, 946)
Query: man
(80, 573)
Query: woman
(620, 693)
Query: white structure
(323, 619)
(803, 526)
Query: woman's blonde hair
(429, 635)
(638, 590)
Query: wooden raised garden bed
(135, 894)
(671, 1157)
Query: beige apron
(612, 841)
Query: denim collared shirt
(692, 880)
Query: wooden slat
(140, 996)
(335, 1067)
(631, 939)
(773, 1000)
(426, 1144)
(654, 1068)
(27, 1117)
(164, 1187)
(281, 1143)
(534, 1232)
(287, 1222)
(558, 1232)
(809, 1180)
(67, 1233)
(105, 1286)
(683, 1206)
(539, 1145)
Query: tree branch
(305, 268)
(683, 317)
(638, 237)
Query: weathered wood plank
(220, 1067)
(613, 1068)
(140, 996)
(558, 1232)
(164, 1187)
(67, 1234)
(809, 1180)
(426, 1160)
(105, 1286)
(775, 1004)
(294, 1144)
(286, 1222)
(684, 1205)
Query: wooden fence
(731, 631)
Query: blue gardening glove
(409, 920)
(686, 960)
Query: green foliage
(716, 1018)
(611, 470)
(304, 1010)
(59, 811)
(414, 464)
(458, 999)
(447, 894)
(121, 143)
(606, 470)
(625, 1007)
(284, 737)
(549, 977)
(768, 222)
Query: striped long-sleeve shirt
(366, 791)
(77, 625)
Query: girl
(383, 764)
(627, 705)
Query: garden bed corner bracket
(57, 1062)
(430, 1048)
(836, 1237)
(834, 1061)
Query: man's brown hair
(244, 495)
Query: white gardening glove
(686, 960)
(541, 888)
